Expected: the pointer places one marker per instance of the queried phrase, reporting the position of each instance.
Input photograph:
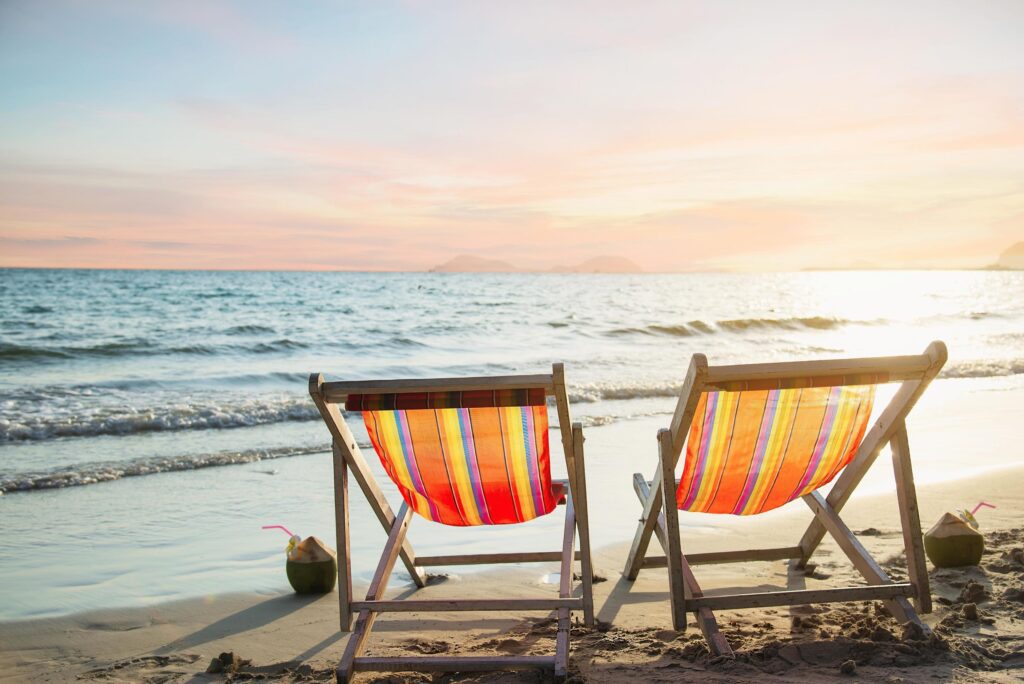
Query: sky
(393, 136)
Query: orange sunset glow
(682, 136)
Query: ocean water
(151, 421)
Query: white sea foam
(93, 473)
(82, 417)
(982, 368)
(89, 413)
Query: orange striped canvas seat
(754, 450)
(754, 437)
(465, 458)
(461, 451)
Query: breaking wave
(93, 473)
(739, 325)
(983, 369)
(249, 330)
(140, 347)
(89, 419)
(590, 393)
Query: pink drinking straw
(981, 504)
(278, 527)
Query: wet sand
(288, 638)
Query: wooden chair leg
(565, 590)
(910, 518)
(670, 447)
(341, 527)
(676, 581)
(858, 555)
(378, 585)
(706, 620)
(346, 442)
(364, 623)
(644, 530)
(583, 526)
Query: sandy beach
(312, 293)
(289, 638)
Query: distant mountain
(602, 264)
(467, 263)
(860, 265)
(1012, 258)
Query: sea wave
(107, 471)
(738, 325)
(595, 392)
(85, 418)
(142, 347)
(249, 330)
(16, 352)
(86, 411)
(94, 473)
(813, 322)
(590, 393)
(991, 368)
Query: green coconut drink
(952, 542)
(312, 567)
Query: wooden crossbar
(739, 556)
(801, 596)
(452, 663)
(493, 558)
(336, 392)
(431, 605)
(894, 368)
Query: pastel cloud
(687, 136)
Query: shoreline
(282, 632)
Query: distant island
(1011, 259)
(468, 263)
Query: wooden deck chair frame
(914, 373)
(348, 458)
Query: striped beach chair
(759, 436)
(461, 452)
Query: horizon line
(515, 272)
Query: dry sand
(978, 620)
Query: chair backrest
(461, 453)
(755, 450)
(762, 435)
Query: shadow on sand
(245, 620)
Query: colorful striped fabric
(467, 466)
(802, 383)
(533, 396)
(752, 451)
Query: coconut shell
(952, 543)
(312, 567)
(312, 550)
